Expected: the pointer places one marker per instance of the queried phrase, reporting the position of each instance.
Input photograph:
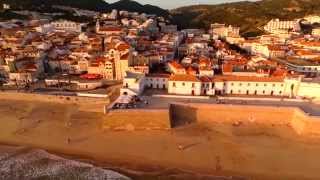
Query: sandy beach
(251, 151)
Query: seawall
(299, 121)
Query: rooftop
(184, 77)
(247, 79)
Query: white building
(69, 26)
(312, 19)
(275, 26)
(309, 89)
(6, 6)
(190, 85)
(157, 81)
(224, 31)
(45, 28)
(316, 32)
(184, 85)
(133, 84)
(264, 86)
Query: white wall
(309, 90)
(157, 82)
(184, 88)
(254, 88)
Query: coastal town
(144, 53)
(135, 93)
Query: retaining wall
(300, 122)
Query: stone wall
(301, 123)
(182, 115)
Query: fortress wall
(181, 115)
(301, 122)
(85, 103)
(131, 120)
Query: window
(213, 85)
(257, 84)
(249, 84)
(231, 92)
(273, 85)
(193, 85)
(174, 84)
(263, 91)
(240, 84)
(280, 92)
(183, 84)
(265, 85)
(282, 85)
(231, 84)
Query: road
(163, 103)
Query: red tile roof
(184, 77)
(122, 47)
(248, 79)
(176, 65)
(158, 75)
(125, 56)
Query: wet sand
(251, 151)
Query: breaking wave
(26, 164)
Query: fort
(298, 120)
(180, 115)
(194, 137)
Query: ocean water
(26, 164)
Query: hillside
(248, 15)
(96, 5)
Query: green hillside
(96, 5)
(248, 15)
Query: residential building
(69, 26)
(182, 84)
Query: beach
(208, 149)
